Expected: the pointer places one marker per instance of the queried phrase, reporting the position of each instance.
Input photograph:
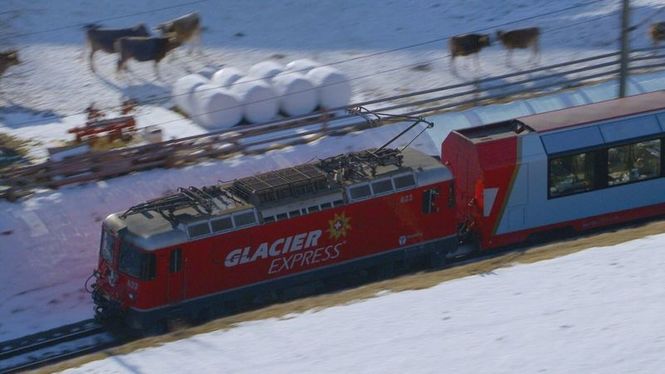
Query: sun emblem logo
(339, 226)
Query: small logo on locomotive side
(339, 226)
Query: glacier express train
(208, 251)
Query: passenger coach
(558, 172)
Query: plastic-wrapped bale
(265, 70)
(215, 107)
(226, 77)
(207, 71)
(332, 87)
(183, 89)
(303, 65)
(297, 95)
(260, 103)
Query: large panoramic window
(633, 162)
(571, 174)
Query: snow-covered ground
(597, 311)
(49, 243)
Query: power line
(158, 99)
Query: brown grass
(21, 146)
(410, 282)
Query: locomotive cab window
(633, 162)
(136, 263)
(106, 247)
(571, 174)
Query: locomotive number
(406, 199)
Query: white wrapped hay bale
(226, 77)
(259, 99)
(215, 107)
(332, 86)
(297, 95)
(265, 70)
(207, 71)
(183, 89)
(303, 65)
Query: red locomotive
(201, 251)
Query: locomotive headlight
(132, 296)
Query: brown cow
(8, 59)
(105, 39)
(465, 45)
(186, 28)
(144, 49)
(657, 33)
(520, 38)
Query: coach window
(244, 219)
(359, 192)
(633, 162)
(221, 224)
(198, 229)
(175, 263)
(326, 205)
(314, 208)
(382, 186)
(294, 213)
(571, 174)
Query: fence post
(625, 29)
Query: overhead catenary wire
(338, 62)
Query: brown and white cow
(185, 29)
(8, 59)
(144, 49)
(657, 33)
(520, 39)
(465, 45)
(105, 39)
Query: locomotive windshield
(136, 263)
(106, 247)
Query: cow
(105, 39)
(465, 45)
(186, 28)
(520, 38)
(8, 59)
(144, 49)
(657, 33)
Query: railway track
(47, 347)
